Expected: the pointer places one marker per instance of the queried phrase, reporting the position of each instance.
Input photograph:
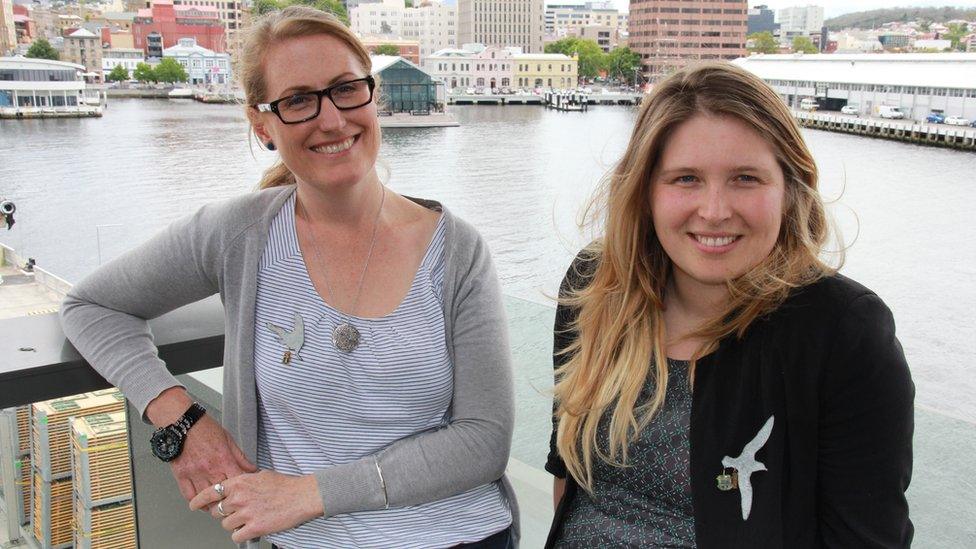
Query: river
(90, 188)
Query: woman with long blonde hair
(718, 384)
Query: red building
(174, 22)
(669, 34)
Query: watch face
(166, 444)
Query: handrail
(37, 362)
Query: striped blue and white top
(326, 407)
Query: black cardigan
(827, 366)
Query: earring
(270, 146)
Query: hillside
(875, 18)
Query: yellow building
(546, 70)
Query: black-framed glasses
(302, 107)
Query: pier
(909, 131)
(615, 98)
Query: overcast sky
(833, 8)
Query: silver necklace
(345, 336)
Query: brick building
(172, 23)
(669, 34)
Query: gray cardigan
(218, 249)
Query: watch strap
(189, 418)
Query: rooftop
(20, 62)
(945, 70)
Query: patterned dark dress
(648, 503)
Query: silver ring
(220, 509)
(219, 488)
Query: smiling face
(336, 148)
(717, 199)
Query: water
(518, 173)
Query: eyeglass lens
(348, 95)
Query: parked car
(506, 90)
(850, 109)
(935, 118)
(469, 91)
(972, 124)
(887, 111)
(957, 121)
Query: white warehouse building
(915, 83)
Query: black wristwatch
(167, 442)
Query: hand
(262, 503)
(209, 456)
(209, 453)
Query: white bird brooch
(745, 465)
(293, 340)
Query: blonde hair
(275, 27)
(619, 330)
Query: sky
(833, 8)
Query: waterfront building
(669, 34)
(378, 19)
(8, 30)
(24, 26)
(799, 21)
(475, 65)
(894, 40)
(518, 23)
(45, 22)
(127, 57)
(84, 48)
(932, 45)
(569, 19)
(546, 70)
(605, 36)
(233, 15)
(117, 38)
(853, 42)
(407, 49)
(173, 23)
(405, 87)
(762, 19)
(67, 23)
(203, 66)
(916, 83)
(433, 26)
(28, 85)
(116, 21)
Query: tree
(168, 70)
(144, 73)
(386, 49)
(804, 45)
(42, 49)
(623, 63)
(261, 7)
(591, 57)
(334, 7)
(118, 74)
(956, 33)
(762, 42)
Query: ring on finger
(219, 488)
(220, 509)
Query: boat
(180, 93)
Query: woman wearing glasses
(367, 388)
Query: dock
(417, 119)
(567, 101)
(908, 131)
(615, 98)
(81, 111)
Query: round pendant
(345, 337)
